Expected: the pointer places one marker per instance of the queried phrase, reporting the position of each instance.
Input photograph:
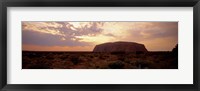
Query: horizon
(91, 50)
(77, 51)
(83, 36)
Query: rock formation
(175, 49)
(120, 47)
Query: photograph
(99, 44)
(122, 45)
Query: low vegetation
(91, 60)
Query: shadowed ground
(92, 60)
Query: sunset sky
(83, 36)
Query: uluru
(120, 46)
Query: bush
(116, 65)
(74, 59)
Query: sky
(83, 36)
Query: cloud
(156, 36)
(150, 30)
(109, 34)
(91, 28)
(95, 39)
(72, 34)
(59, 33)
(42, 27)
(31, 37)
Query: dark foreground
(90, 60)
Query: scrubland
(91, 60)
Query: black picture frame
(101, 3)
